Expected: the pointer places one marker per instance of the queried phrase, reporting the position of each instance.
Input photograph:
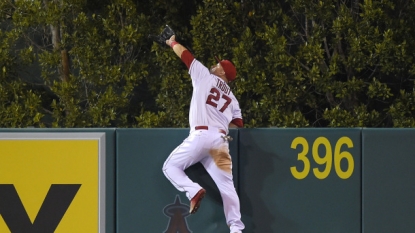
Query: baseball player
(213, 109)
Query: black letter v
(51, 212)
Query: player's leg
(219, 167)
(185, 155)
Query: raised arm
(180, 51)
(177, 48)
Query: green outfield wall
(388, 180)
(301, 180)
(146, 200)
(313, 180)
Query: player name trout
(223, 87)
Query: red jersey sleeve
(187, 58)
(238, 122)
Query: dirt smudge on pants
(222, 159)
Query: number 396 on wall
(326, 159)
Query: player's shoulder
(198, 72)
(197, 65)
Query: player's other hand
(172, 38)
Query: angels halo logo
(177, 212)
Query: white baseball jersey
(213, 103)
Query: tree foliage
(78, 63)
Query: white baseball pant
(209, 148)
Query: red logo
(177, 212)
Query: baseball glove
(165, 35)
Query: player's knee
(164, 172)
(164, 168)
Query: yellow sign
(59, 179)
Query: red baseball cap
(229, 68)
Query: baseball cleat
(196, 200)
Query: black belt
(204, 127)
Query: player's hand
(169, 41)
(165, 35)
